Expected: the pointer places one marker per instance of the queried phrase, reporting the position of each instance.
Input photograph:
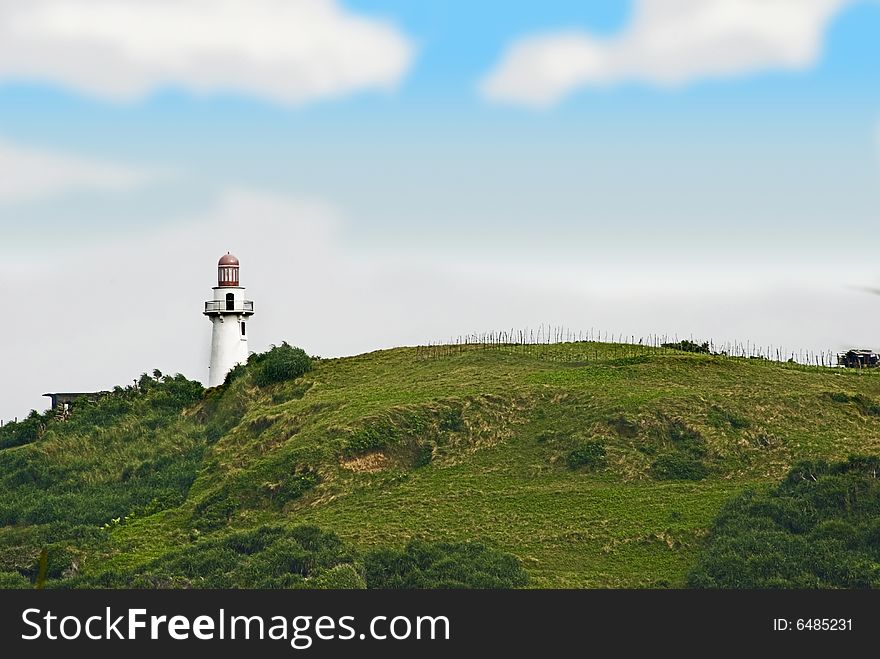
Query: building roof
(228, 259)
(77, 393)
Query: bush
(14, 581)
(26, 431)
(443, 565)
(817, 529)
(164, 396)
(588, 454)
(678, 467)
(234, 374)
(689, 346)
(265, 557)
(49, 490)
(127, 453)
(377, 435)
(281, 363)
(176, 393)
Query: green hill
(595, 465)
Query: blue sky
(398, 187)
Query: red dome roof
(228, 259)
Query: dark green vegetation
(263, 557)
(443, 565)
(819, 529)
(124, 454)
(586, 454)
(592, 464)
(17, 433)
(689, 346)
(276, 365)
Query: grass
(392, 446)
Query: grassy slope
(496, 473)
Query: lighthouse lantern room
(229, 313)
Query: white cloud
(27, 174)
(290, 51)
(668, 42)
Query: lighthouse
(229, 313)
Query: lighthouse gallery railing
(212, 306)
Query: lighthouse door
(230, 302)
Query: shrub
(281, 363)
(253, 541)
(587, 454)
(176, 393)
(14, 581)
(817, 529)
(265, 557)
(127, 453)
(19, 433)
(234, 374)
(165, 396)
(377, 435)
(678, 467)
(443, 565)
(50, 491)
(689, 346)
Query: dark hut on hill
(62, 403)
(859, 359)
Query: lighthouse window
(230, 301)
(242, 329)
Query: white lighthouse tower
(229, 313)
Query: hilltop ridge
(593, 464)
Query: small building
(62, 403)
(859, 359)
